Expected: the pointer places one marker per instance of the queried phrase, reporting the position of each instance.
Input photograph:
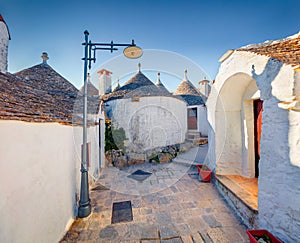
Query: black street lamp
(131, 51)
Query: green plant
(114, 137)
(155, 158)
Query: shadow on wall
(264, 80)
(276, 155)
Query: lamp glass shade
(133, 52)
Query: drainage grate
(140, 175)
(121, 212)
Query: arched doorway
(235, 127)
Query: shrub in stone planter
(204, 173)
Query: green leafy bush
(114, 137)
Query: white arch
(234, 125)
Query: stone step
(246, 212)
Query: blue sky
(199, 30)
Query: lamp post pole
(84, 209)
(131, 51)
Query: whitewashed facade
(245, 76)
(40, 179)
(150, 122)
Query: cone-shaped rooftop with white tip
(188, 92)
(160, 85)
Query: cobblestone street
(170, 205)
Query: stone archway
(234, 126)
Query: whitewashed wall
(4, 38)
(95, 151)
(202, 120)
(279, 188)
(150, 122)
(40, 174)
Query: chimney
(4, 38)
(205, 87)
(104, 82)
(45, 58)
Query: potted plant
(262, 236)
(204, 172)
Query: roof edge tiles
(285, 50)
(40, 94)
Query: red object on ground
(204, 174)
(262, 232)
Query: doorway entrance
(257, 110)
(192, 118)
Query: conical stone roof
(44, 77)
(160, 85)
(91, 89)
(138, 86)
(37, 94)
(187, 91)
(137, 81)
(186, 87)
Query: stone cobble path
(179, 208)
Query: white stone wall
(202, 120)
(40, 176)
(279, 166)
(150, 122)
(95, 150)
(279, 188)
(4, 38)
(101, 146)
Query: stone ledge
(239, 192)
(238, 199)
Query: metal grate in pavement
(121, 212)
(139, 175)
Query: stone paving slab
(182, 210)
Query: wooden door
(258, 109)
(192, 118)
